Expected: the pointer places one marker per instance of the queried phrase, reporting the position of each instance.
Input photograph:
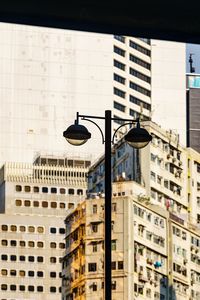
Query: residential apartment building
(47, 75)
(34, 201)
(155, 253)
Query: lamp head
(138, 137)
(77, 134)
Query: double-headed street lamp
(138, 138)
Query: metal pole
(108, 208)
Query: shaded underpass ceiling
(169, 20)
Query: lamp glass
(76, 142)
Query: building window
(13, 243)
(120, 265)
(22, 243)
(22, 258)
(40, 289)
(27, 203)
(70, 205)
(71, 191)
(4, 243)
(94, 247)
(94, 209)
(139, 89)
(52, 245)
(120, 38)
(139, 48)
(36, 203)
(119, 65)
(31, 288)
(4, 227)
(18, 202)
(94, 286)
(139, 102)
(113, 244)
(62, 230)
(53, 274)
(31, 258)
(44, 204)
(113, 265)
(27, 188)
(4, 272)
(140, 62)
(61, 245)
(62, 191)
(22, 288)
(44, 190)
(139, 75)
(13, 257)
(40, 244)
(113, 285)
(119, 78)
(119, 106)
(40, 274)
(53, 260)
(13, 228)
(31, 229)
(52, 230)
(36, 189)
(62, 205)
(40, 229)
(119, 51)
(40, 259)
(31, 244)
(94, 227)
(4, 287)
(18, 188)
(92, 267)
(22, 273)
(119, 92)
(53, 190)
(22, 228)
(52, 289)
(31, 273)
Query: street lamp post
(138, 138)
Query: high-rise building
(155, 253)
(34, 200)
(47, 75)
(193, 111)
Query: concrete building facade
(34, 201)
(47, 75)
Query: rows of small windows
(30, 258)
(150, 217)
(179, 233)
(52, 190)
(119, 106)
(139, 102)
(117, 120)
(29, 288)
(22, 228)
(30, 244)
(119, 78)
(140, 62)
(140, 290)
(43, 204)
(120, 38)
(147, 41)
(139, 75)
(119, 65)
(29, 273)
(139, 89)
(139, 48)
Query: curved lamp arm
(85, 119)
(130, 123)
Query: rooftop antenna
(192, 69)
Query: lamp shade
(77, 134)
(138, 137)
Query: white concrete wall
(169, 86)
(46, 76)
